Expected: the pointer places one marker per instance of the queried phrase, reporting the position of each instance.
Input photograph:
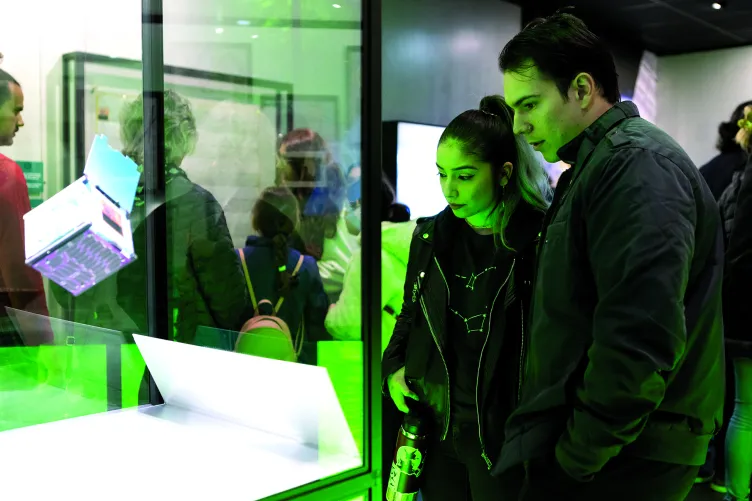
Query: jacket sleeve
(218, 271)
(738, 272)
(394, 355)
(316, 306)
(640, 221)
(344, 319)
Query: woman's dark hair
(308, 170)
(275, 216)
(561, 47)
(727, 130)
(487, 135)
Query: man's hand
(399, 390)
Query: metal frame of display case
(367, 478)
(73, 99)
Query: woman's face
(467, 183)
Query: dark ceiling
(661, 26)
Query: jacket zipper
(483, 454)
(522, 353)
(438, 346)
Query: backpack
(266, 334)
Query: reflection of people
(624, 364)
(239, 142)
(466, 296)
(307, 169)
(344, 318)
(204, 279)
(719, 171)
(271, 262)
(738, 277)
(21, 286)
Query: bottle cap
(414, 425)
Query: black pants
(455, 471)
(622, 479)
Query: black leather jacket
(420, 336)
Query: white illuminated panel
(417, 177)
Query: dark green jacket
(204, 279)
(625, 348)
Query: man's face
(10, 115)
(541, 114)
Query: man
(20, 286)
(623, 381)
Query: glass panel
(66, 345)
(262, 143)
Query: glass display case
(244, 120)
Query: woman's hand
(399, 390)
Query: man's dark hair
(727, 131)
(5, 81)
(561, 47)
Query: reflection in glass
(287, 294)
(204, 280)
(282, 182)
(262, 156)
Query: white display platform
(260, 440)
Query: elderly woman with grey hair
(204, 280)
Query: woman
(731, 159)
(737, 281)
(306, 167)
(457, 343)
(344, 318)
(271, 263)
(205, 283)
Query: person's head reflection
(180, 134)
(303, 157)
(306, 167)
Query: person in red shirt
(21, 286)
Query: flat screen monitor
(410, 163)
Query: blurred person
(719, 171)
(307, 168)
(21, 287)
(344, 320)
(204, 278)
(738, 277)
(724, 176)
(728, 199)
(271, 262)
(353, 212)
(241, 143)
(456, 347)
(623, 378)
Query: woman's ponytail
(281, 251)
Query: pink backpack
(268, 335)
